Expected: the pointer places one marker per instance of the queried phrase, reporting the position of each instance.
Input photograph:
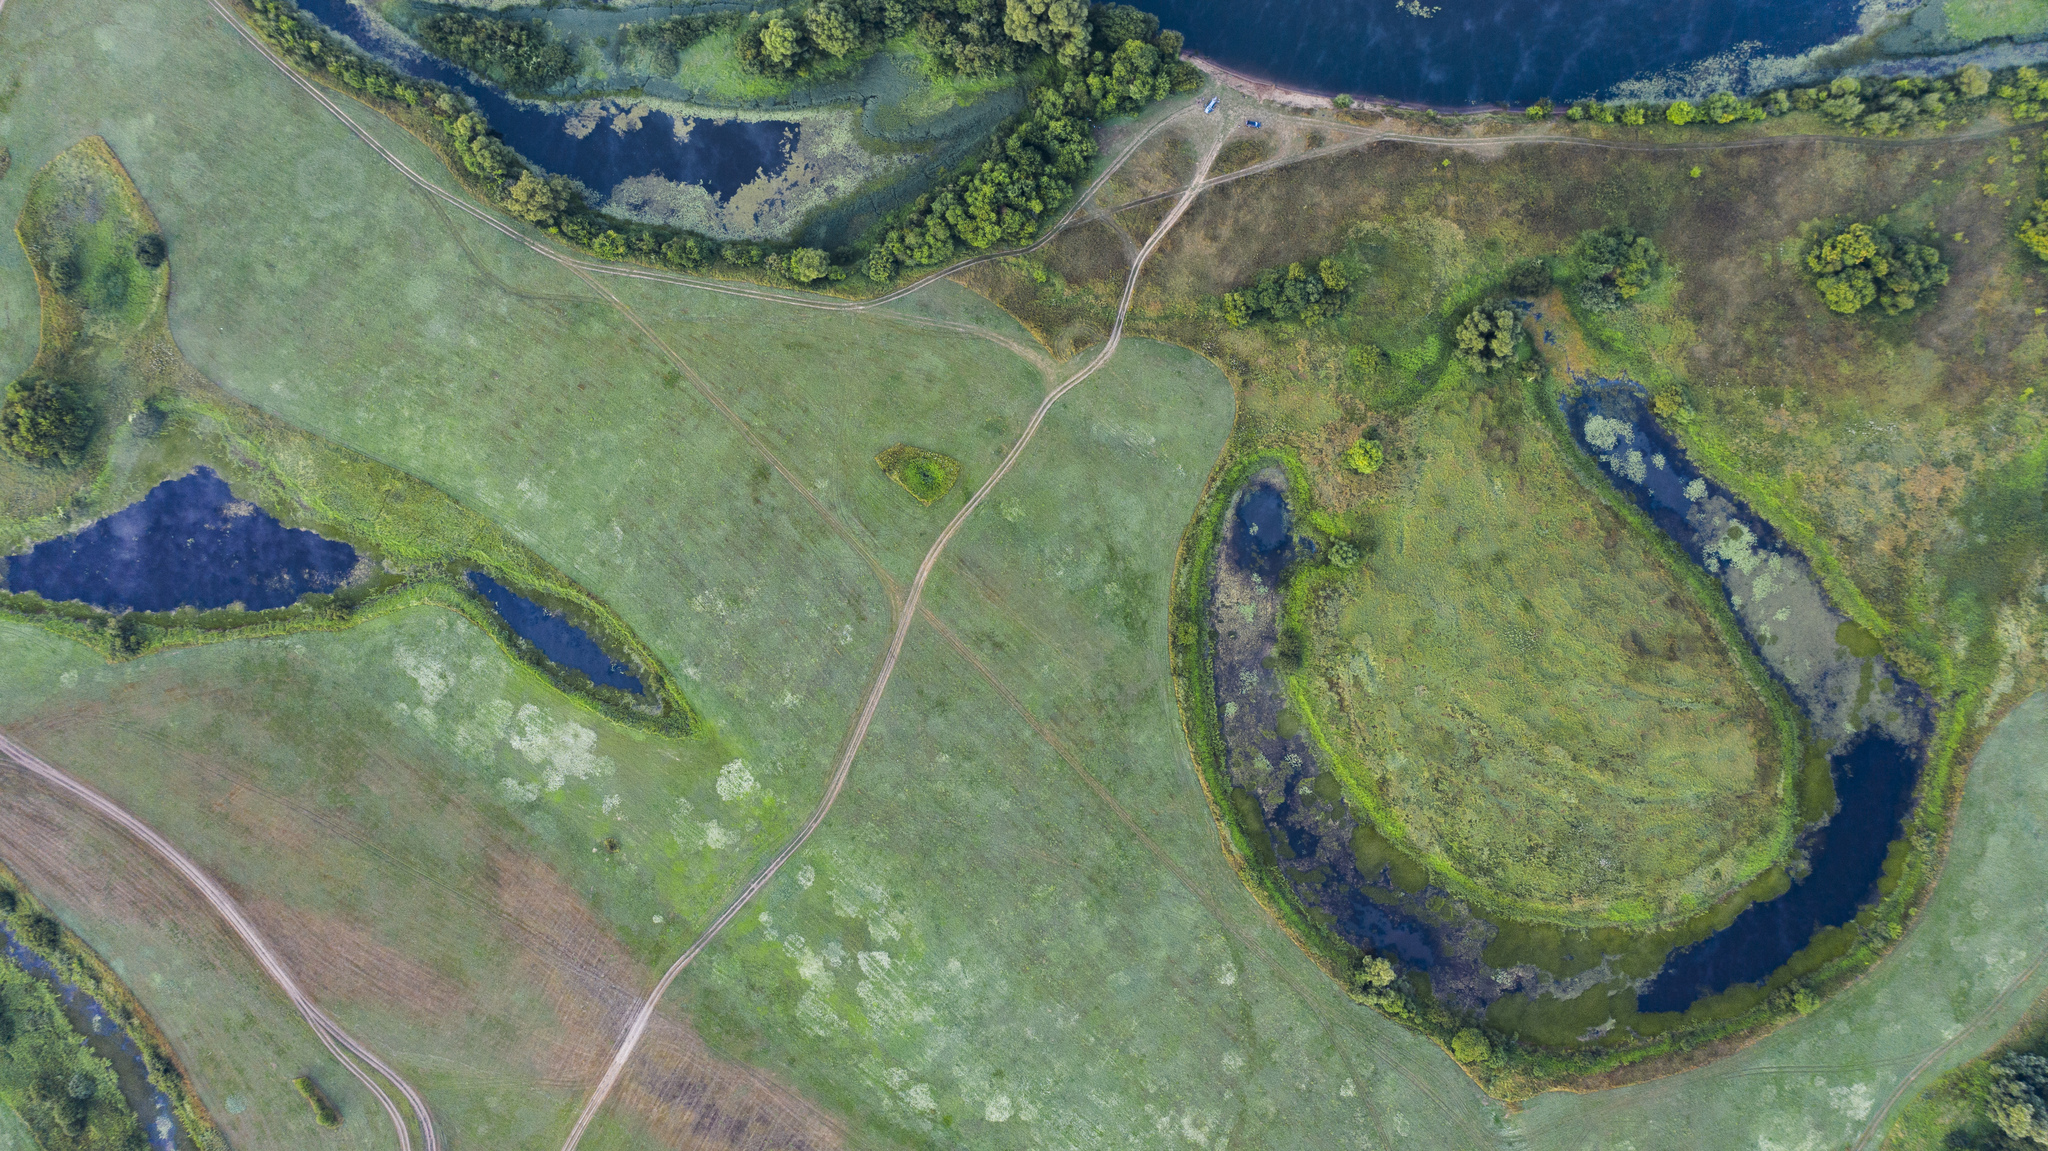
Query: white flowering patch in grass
(565, 750)
(434, 676)
(735, 781)
(1604, 432)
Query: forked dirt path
(904, 619)
(339, 1043)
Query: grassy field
(1571, 740)
(1016, 929)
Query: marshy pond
(599, 143)
(554, 636)
(108, 1040)
(187, 543)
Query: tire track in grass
(338, 1042)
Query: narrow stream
(111, 1042)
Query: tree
(831, 29)
(1342, 100)
(781, 39)
(1633, 117)
(1487, 337)
(1724, 108)
(808, 264)
(1364, 457)
(45, 421)
(1618, 264)
(2034, 229)
(1056, 27)
(1332, 275)
(1862, 264)
(1974, 82)
(609, 245)
(1373, 971)
(543, 201)
(150, 250)
(687, 253)
(1470, 1046)
(2019, 1098)
(1117, 24)
(41, 933)
(1681, 112)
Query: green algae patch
(925, 475)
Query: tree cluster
(519, 55)
(1862, 264)
(1290, 293)
(1616, 265)
(2019, 1098)
(1488, 337)
(45, 421)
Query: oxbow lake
(555, 637)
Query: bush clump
(323, 1111)
(1616, 264)
(1290, 293)
(151, 250)
(44, 421)
(925, 475)
(1470, 1046)
(2019, 1098)
(1863, 263)
(1488, 336)
(1365, 457)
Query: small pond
(1875, 719)
(557, 638)
(599, 149)
(109, 1041)
(188, 542)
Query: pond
(1491, 51)
(109, 1041)
(599, 143)
(187, 543)
(555, 637)
(1876, 720)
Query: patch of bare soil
(684, 1095)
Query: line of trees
(1028, 171)
(1876, 107)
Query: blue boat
(1211, 107)
(1253, 124)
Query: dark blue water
(555, 636)
(722, 156)
(1874, 775)
(110, 1042)
(187, 543)
(1874, 780)
(1489, 51)
(1261, 540)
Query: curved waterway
(109, 1041)
(1875, 721)
(600, 143)
(187, 543)
(1491, 51)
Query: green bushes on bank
(519, 55)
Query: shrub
(40, 932)
(1373, 971)
(1487, 337)
(2034, 229)
(1681, 112)
(808, 264)
(1342, 100)
(1617, 265)
(150, 251)
(1364, 457)
(1529, 278)
(1862, 263)
(1343, 554)
(44, 420)
(1470, 1046)
(323, 1111)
